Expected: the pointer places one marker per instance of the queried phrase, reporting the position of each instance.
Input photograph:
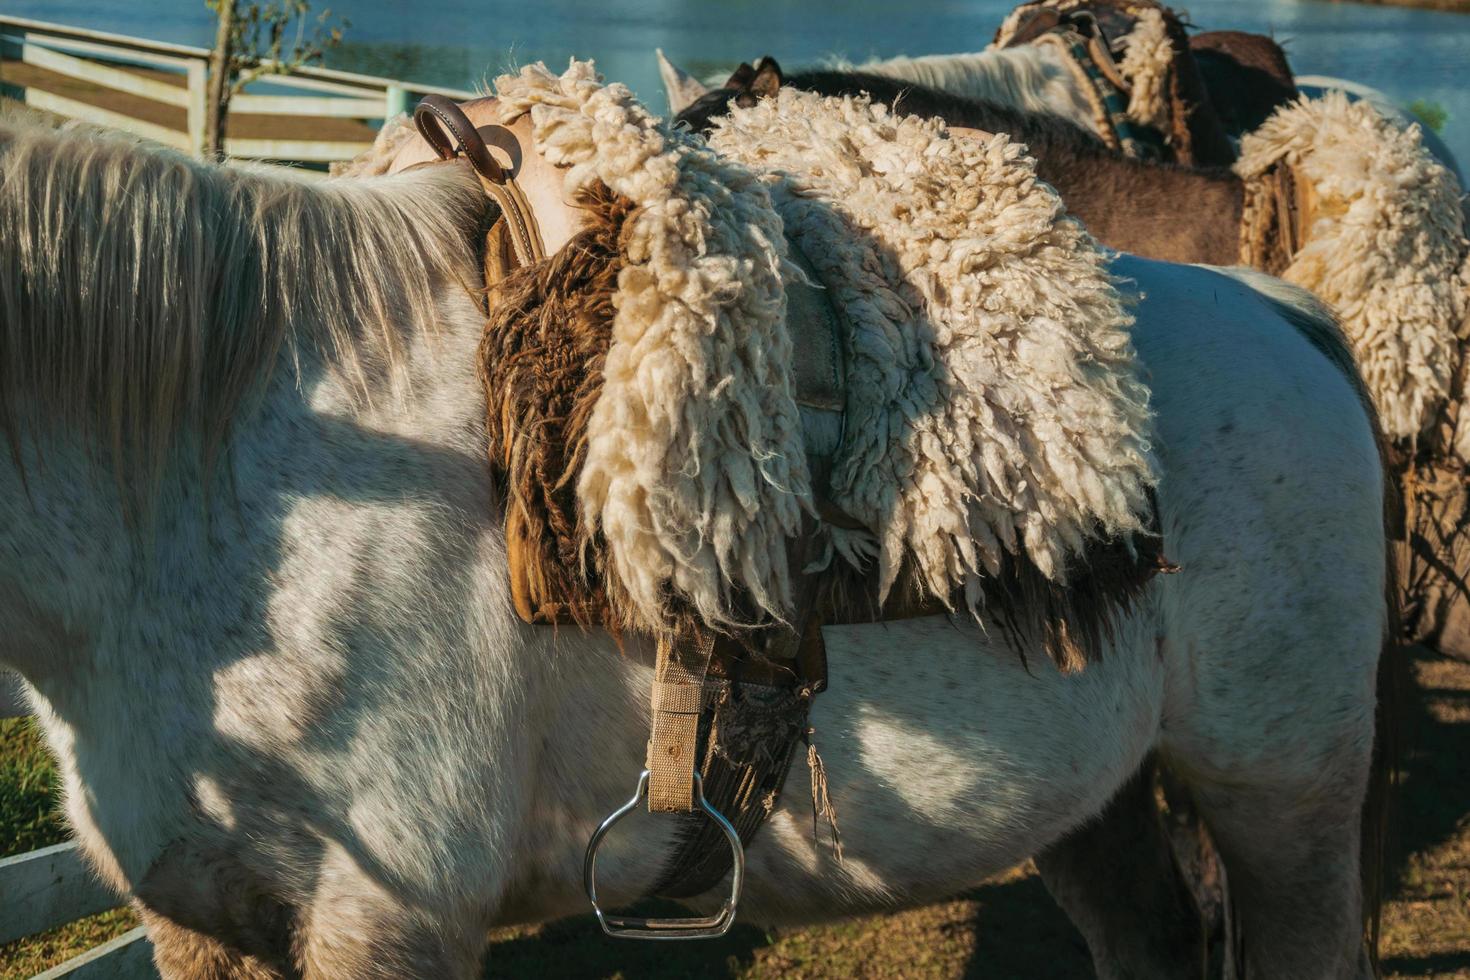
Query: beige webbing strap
(678, 696)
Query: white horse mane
(149, 291)
(1027, 78)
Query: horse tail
(1392, 687)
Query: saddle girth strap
(755, 716)
(678, 701)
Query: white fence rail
(157, 90)
(51, 887)
(48, 888)
(128, 957)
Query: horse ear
(683, 89)
(741, 77)
(768, 78)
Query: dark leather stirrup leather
(439, 119)
(434, 115)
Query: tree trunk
(217, 98)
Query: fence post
(198, 73)
(395, 100)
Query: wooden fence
(156, 90)
(53, 886)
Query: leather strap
(525, 238)
(446, 128)
(435, 115)
(756, 715)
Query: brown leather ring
(436, 114)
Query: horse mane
(142, 291)
(1248, 76)
(1036, 128)
(1019, 78)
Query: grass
(27, 957)
(1007, 928)
(30, 818)
(29, 790)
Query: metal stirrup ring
(632, 927)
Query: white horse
(1029, 78)
(254, 577)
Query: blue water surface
(1410, 54)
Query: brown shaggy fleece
(541, 361)
(1072, 622)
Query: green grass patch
(36, 954)
(30, 817)
(30, 790)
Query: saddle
(736, 703)
(628, 375)
(1133, 61)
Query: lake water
(1411, 54)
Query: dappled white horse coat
(298, 719)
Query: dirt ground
(1009, 928)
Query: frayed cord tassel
(821, 802)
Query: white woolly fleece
(1145, 65)
(994, 401)
(1384, 248)
(695, 473)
